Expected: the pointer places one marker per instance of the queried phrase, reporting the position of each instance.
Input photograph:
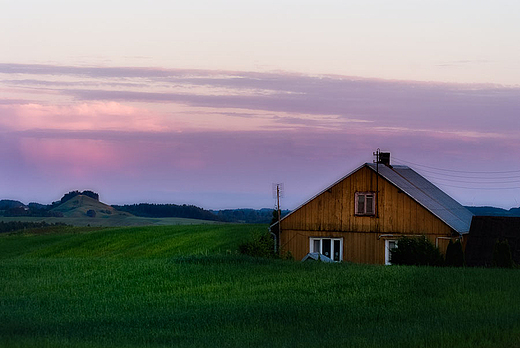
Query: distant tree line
(493, 211)
(250, 216)
(28, 212)
(72, 194)
(167, 210)
(9, 208)
(12, 226)
(6, 204)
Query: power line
(458, 171)
(477, 188)
(469, 177)
(477, 182)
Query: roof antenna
(377, 155)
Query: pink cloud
(155, 166)
(78, 158)
(148, 135)
(83, 116)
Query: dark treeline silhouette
(12, 226)
(250, 216)
(30, 212)
(167, 210)
(493, 211)
(9, 208)
(72, 194)
(6, 204)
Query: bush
(454, 254)
(91, 213)
(502, 255)
(261, 246)
(416, 251)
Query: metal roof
(428, 195)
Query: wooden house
(360, 217)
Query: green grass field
(185, 286)
(111, 221)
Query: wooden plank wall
(333, 210)
(332, 214)
(358, 247)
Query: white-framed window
(365, 203)
(389, 245)
(330, 247)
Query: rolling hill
(79, 205)
(83, 210)
(493, 211)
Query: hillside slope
(127, 242)
(183, 286)
(79, 206)
(493, 211)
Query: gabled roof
(428, 195)
(420, 190)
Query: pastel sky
(211, 102)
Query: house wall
(357, 247)
(331, 214)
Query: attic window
(365, 203)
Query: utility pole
(377, 154)
(278, 203)
(279, 194)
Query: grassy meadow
(112, 221)
(185, 286)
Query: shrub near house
(502, 254)
(454, 254)
(418, 251)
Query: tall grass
(163, 297)
(111, 221)
(125, 242)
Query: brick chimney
(384, 158)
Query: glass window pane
(370, 204)
(316, 244)
(337, 249)
(325, 243)
(361, 204)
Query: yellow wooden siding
(358, 247)
(331, 214)
(333, 210)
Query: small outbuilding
(485, 231)
(360, 217)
